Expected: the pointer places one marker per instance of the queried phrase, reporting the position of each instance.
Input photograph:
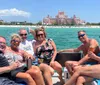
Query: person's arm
(71, 50)
(55, 50)
(9, 68)
(27, 55)
(93, 45)
(67, 50)
(5, 69)
(93, 56)
(83, 60)
(97, 58)
(33, 33)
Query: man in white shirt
(26, 45)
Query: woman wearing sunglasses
(45, 50)
(31, 76)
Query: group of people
(20, 50)
(43, 51)
(13, 65)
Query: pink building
(62, 19)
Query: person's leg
(47, 73)
(36, 74)
(56, 66)
(72, 79)
(68, 65)
(89, 71)
(81, 80)
(28, 79)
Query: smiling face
(40, 35)
(23, 34)
(82, 36)
(2, 44)
(15, 42)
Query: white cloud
(14, 12)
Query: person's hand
(29, 56)
(40, 61)
(75, 64)
(51, 63)
(31, 30)
(14, 65)
(91, 48)
(77, 67)
(91, 54)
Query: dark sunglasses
(40, 34)
(16, 41)
(82, 35)
(23, 34)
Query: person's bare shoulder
(94, 41)
(7, 48)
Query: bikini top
(12, 57)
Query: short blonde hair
(13, 36)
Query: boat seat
(66, 56)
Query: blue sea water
(63, 37)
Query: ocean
(64, 38)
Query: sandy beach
(36, 26)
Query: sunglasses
(82, 35)
(16, 41)
(23, 34)
(40, 34)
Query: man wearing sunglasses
(25, 44)
(5, 68)
(86, 46)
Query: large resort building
(62, 19)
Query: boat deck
(56, 81)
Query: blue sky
(36, 10)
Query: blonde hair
(40, 29)
(13, 36)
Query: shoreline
(36, 26)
